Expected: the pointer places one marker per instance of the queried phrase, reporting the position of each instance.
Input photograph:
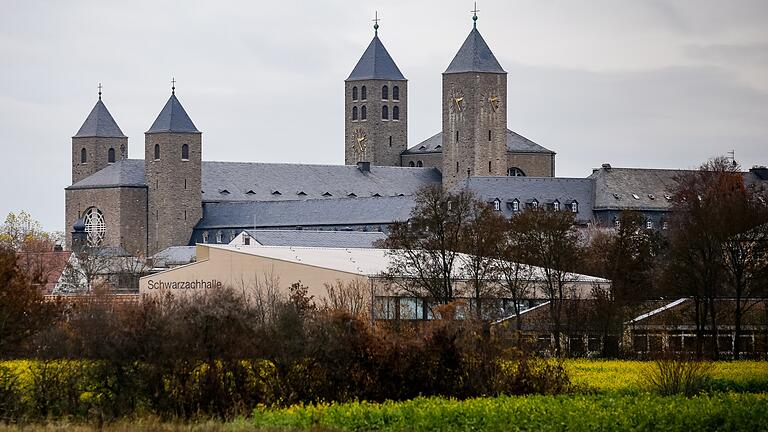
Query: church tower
(98, 143)
(173, 174)
(375, 108)
(474, 113)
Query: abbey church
(173, 197)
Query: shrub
(678, 376)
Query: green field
(608, 395)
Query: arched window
(395, 112)
(111, 155)
(419, 164)
(205, 236)
(157, 151)
(395, 93)
(83, 156)
(354, 113)
(385, 112)
(95, 226)
(354, 93)
(363, 112)
(363, 93)
(515, 172)
(411, 164)
(184, 152)
(385, 93)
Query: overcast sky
(636, 83)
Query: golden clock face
(456, 101)
(491, 99)
(359, 139)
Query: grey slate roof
(173, 118)
(313, 212)
(516, 143)
(307, 238)
(474, 56)
(244, 181)
(376, 63)
(525, 189)
(124, 173)
(649, 185)
(174, 256)
(99, 123)
(282, 181)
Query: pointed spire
(474, 56)
(173, 117)
(99, 123)
(376, 63)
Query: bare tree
(552, 243)
(352, 297)
(424, 250)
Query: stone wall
(428, 160)
(97, 149)
(174, 188)
(533, 164)
(385, 139)
(124, 210)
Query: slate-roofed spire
(99, 123)
(474, 56)
(173, 118)
(376, 63)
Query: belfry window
(111, 155)
(83, 156)
(385, 112)
(457, 136)
(95, 226)
(489, 134)
(396, 93)
(395, 112)
(489, 166)
(354, 112)
(185, 152)
(363, 93)
(354, 93)
(385, 93)
(363, 112)
(157, 151)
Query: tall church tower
(375, 108)
(98, 143)
(173, 174)
(474, 113)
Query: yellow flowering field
(622, 375)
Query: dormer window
(223, 191)
(649, 224)
(352, 195)
(652, 196)
(664, 225)
(250, 192)
(497, 204)
(276, 192)
(205, 236)
(376, 195)
(556, 205)
(246, 240)
(615, 195)
(301, 193)
(327, 194)
(533, 203)
(574, 207)
(219, 237)
(515, 204)
(635, 196)
(616, 223)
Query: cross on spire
(99, 91)
(173, 86)
(474, 15)
(376, 22)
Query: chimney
(364, 167)
(607, 166)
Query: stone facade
(174, 188)
(124, 210)
(97, 151)
(428, 160)
(386, 138)
(533, 164)
(474, 126)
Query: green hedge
(719, 412)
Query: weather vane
(173, 86)
(474, 15)
(376, 22)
